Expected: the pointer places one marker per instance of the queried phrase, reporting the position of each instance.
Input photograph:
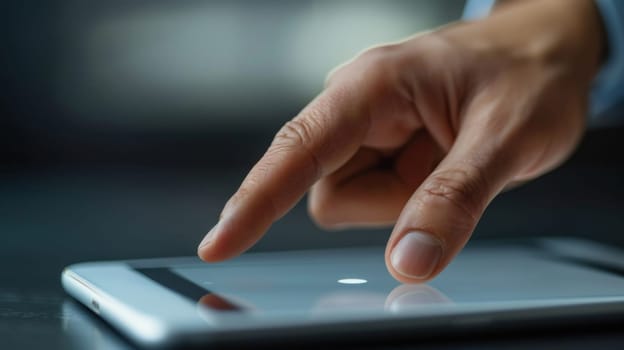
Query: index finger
(316, 142)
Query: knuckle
(325, 222)
(379, 53)
(335, 74)
(372, 60)
(377, 63)
(320, 216)
(321, 210)
(460, 188)
(295, 133)
(299, 135)
(377, 59)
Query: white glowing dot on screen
(352, 281)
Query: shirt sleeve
(608, 86)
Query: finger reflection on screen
(218, 303)
(408, 297)
(405, 297)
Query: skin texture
(424, 133)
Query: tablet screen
(356, 281)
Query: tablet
(347, 294)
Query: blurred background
(126, 124)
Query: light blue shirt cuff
(477, 9)
(608, 86)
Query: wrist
(564, 34)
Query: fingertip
(213, 247)
(203, 255)
(209, 237)
(206, 253)
(415, 258)
(405, 279)
(213, 253)
(410, 279)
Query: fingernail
(416, 255)
(209, 236)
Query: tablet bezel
(127, 299)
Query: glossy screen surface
(356, 281)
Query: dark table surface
(53, 216)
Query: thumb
(439, 218)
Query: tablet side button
(95, 306)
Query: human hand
(424, 133)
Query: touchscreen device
(348, 294)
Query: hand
(426, 132)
